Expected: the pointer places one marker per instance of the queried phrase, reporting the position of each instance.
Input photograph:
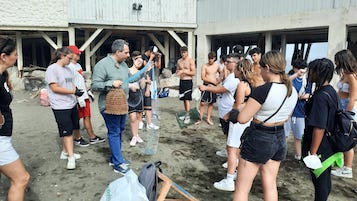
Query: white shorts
(234, 133)
(295, 124)
(7, 151)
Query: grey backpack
(149, 179)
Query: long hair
(58, 53)
(345, 62)
(277, 63)
(245, 66)
(7, 46)
(320, 71)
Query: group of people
(258, 104)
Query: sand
(188, 157)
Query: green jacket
(105, 72)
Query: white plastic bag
(126, 188)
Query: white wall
(33, 13)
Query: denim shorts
(7, 151)
(297, 125)
(260, 143)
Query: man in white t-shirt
(83, 101)
(226, 98)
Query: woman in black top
(319, 116)
(10, 163)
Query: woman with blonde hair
(10, 164)
(244, 72)
(263, 144)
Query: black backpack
(344, 135)
(149, 179)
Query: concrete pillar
(337, 39)
(20, 58)
(203, 47)
(268, 41)
(87, 53)
(283, 45)
(190, 44)
(166, 53)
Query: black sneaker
(96, 140)
(81, 142)
(122, 168)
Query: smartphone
(155, 49)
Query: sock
(230, 177)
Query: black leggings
(322, 185)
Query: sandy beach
(188, 157)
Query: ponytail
(286, 80)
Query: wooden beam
(91, 38)
(177, 38)
(20, 61)
(49, 40)
(100, 43)
(156, 42)
(59, 39)
(71, 36)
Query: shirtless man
(256, 54)
(186, 70)
(208, 76)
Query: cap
(75, 49)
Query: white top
(226, 100)
(79, 81)
(63, 76)
(271, 96)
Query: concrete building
(39, 26)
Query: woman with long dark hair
(10, 163)
(346, 67)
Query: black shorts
(67, 121)
(208, 97)
(261, 143)
(147, 103)
(185, 90)
(135, 102)
(224, 126)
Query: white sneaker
(187, 120)
(71, 164)
(65, 155)
(225, 165)
(222, 153)
(297, 157)
(343, 172)
(141, 125)
(133, 141)
(224, 185)
(139, 139)
(152, 126)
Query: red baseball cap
(75, 49)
